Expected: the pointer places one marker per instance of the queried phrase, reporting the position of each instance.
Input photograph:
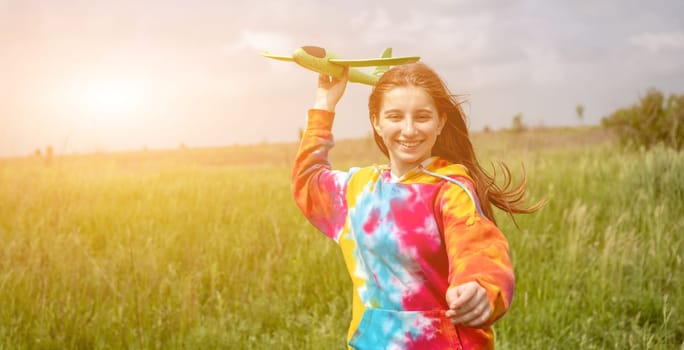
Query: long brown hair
(453, 143)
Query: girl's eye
(424, 117)
(393, 117)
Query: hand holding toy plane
(320, 60)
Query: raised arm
(318, 190)
(330, 91)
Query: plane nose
(314, 51)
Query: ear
(442, 122)
(376, 124)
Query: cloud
(377, 20)
(656, 42)
(547, 66)
(275, 42)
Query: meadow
(205, 249)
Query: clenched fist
(468, 304)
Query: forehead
(408, 97)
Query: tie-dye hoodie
(405, 243)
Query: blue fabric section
(378, 251)
(391, 329)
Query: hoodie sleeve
(319, 191)
(477, 250)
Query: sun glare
(107, 99)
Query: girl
(429, 267)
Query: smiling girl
(429, 267)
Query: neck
(399, 171)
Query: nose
(409, 127)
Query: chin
(414, 160)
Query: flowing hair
(453, 143)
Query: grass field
(205, 249)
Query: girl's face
(408, 123)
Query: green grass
(204, 249)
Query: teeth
(409, 144)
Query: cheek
(384, 129)
(431, 131)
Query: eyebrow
(422, 109)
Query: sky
(96, 76)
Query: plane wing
(277, 57)
(381, 61)
(390, 61)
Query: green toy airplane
(320, 60)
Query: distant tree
(49, 152)
(487, 129)
(579, 109)
(653, 120)
(518, 125)
(37, 152)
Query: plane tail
(380, 70)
